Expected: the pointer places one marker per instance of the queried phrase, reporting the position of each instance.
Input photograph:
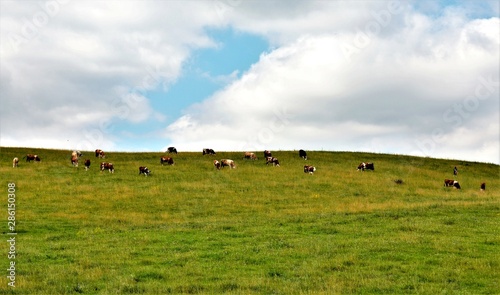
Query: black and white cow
(451, 182)
(303, 154)
(366, 166)
(309, 169)
(267, 154)
(273, 161)
(144, 170)
(171, 149)
(87, 164)
(208, 152)
(483, 186)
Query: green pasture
(256, 229)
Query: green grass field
(257, 229)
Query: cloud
(387, 94)
(77, 66)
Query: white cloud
(77, 66)
(390, 92)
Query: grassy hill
(257, 229)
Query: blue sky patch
(209, 70)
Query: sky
(400, 77)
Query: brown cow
(217, 164)
(100, 153)
(309, 169)
(15, 162)
(366, 166)
(227, 162)
(451, 182)
(74, 160)
(483, 186)
(31, 157)
(251, 156)
(167, 160)
(107, 166)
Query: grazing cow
(267, 154)
(144, 170)
(272, 160)
(87, 164)
(451, 182)
(31, 157)
(227, 162)
(309, 169)
(251, 156)
(208, 152)
(167, 160)
(74, 160)
(171, 149)
(366, 166)
(483, 186)
(455, 171)
(100, 153)
(217, 164)
(303, 154)
(107, 166)
(15, 162)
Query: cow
(217, 164)
(144, 170)
(74, 160)
(303, 154)
(227, 162)
(451, 182)
(99, 154)
(167, 160)
(87, 164)
(31, 157)
(267, 154)
(309, 169)
(455, 171)
(76, 154)
(208, 152)
(366, 166)
(107, 166)
(251, 156)
(15, 162)
(483, 186)
(273, 161)
(171, 149)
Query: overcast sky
(402, 77)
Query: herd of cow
(75, 155)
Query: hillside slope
(189, 228)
